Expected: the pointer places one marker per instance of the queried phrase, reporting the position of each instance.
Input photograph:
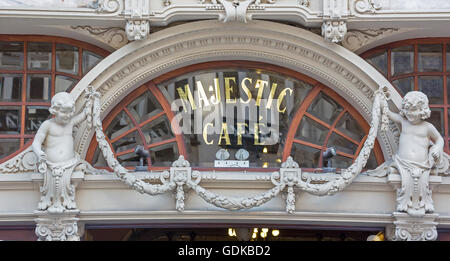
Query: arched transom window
(214, 111)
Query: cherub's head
(63, 107)
(415, 107)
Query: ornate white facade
(322, 40)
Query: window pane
(10, 87)
(325, 108)
(305, 156)
(402, 60)
(35, 116)
(164, 155)
(404, 85)
(379, 61)
(311, 131)
(448, 57)
(67, 58)
(157, 130)
(349, 126)
(9, 120)
(342, 144)
(371, 162)
(437, 119)
(433, 87)
(39, 87)
(40, 56)
(144, 107)
(127, 160)
(90, 60)
(130, 141)
(11, 55)
(430, 58)
(120, 124)
(64, 83)
(8, 147)
(341, 162)
(98, 159)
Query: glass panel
(164, 155)
(130, 141)
(8, 147)
(39, 87)
(341, 162)
(404, 85)
(379, 61)
(430, 58)
(40, 56)
(9, 120)
(11, 55)
(402, 60)
(66, 58)
(371, 162)
(437, 119)
(120, 124)
(90, 59)
(448, 57)
(128, 160)
(325, 108)
(35, 116)
(349, 126)
(342, 144)
(98, 159)
(10, 87)
(64, 83)
(144, 107)
(448, 90)
(305, 156)
(433, 87)
(311, 131)
(157, 130)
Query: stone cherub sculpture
(54, 147)
(420, 149)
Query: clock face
(222, 154)
(242, 154)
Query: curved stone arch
(262, 41)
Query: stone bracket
(409, 228)
(57, 227)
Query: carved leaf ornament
(181, 177)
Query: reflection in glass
(430, 58)
(129, 160)
(120, 124)
(164, 155)
(437, 119)
(342, 144)
(311, 131)
(11, 55)
(349, 126)
(66, 58)
(90, 59)
(9, 120)
(402, 60)
(305, 156)
(433, 87)
(10, 87)
(144, 107)
(379, 61)
(341, 162)
(130, 141)
(325, 108)
(371, 162)
(404, 85)
(98, 159)
(39, 87)
(8, 146)
(157, 130)
(35, 116)
(64, 83)
(39, 56)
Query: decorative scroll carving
(107, 6)
(408, 228)
(235, 10)
(334, 30)
(113, 36)
(24, 162)
(367, 6)
(61, 227)
(355, 39)
(304, 3)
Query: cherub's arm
(395, 117)
(438, 147)
(39, 138)
(77, 119)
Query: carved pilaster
(137, 14)
(57, 227)
(409, 228)
(334, 26)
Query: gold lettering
(260, 84)
(186, 95)
(216, 100)
(205, 133)
(201, 95)
(229, 89)
(271, 95)
(256, 135)
(240, 131)
(224, 134)
(246, 90)
(281, 97)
